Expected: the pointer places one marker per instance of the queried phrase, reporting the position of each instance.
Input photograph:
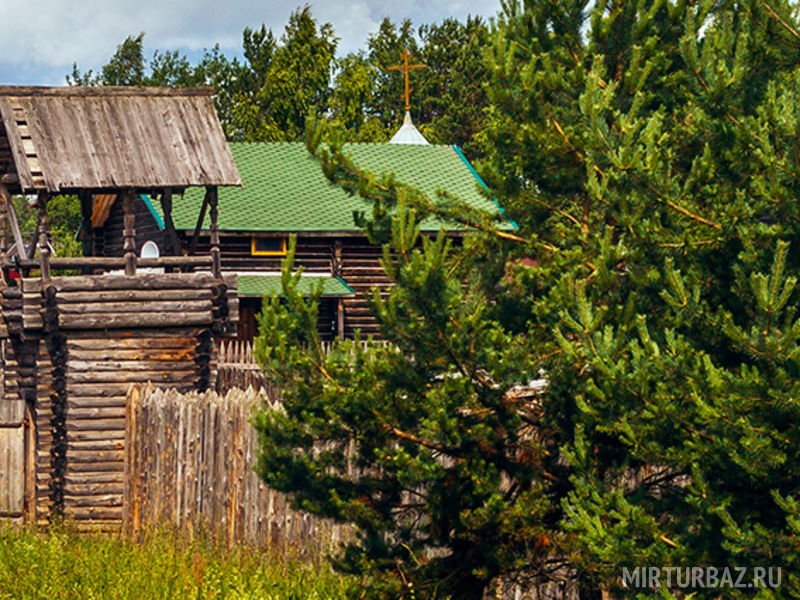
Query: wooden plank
(12, 411)
(30, 465)
(12, 470)
(15, 141)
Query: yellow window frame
(255, 252)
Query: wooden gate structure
(71, 345)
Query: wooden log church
(71, 344)
(285, 192)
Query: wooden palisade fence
(189, 462)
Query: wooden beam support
(340, 319)
(336, 258)
(87, 233)
(169, 225)
(5, 199)
(216, 262)
(44, 235)
(86, 223)
(129, 243)
(12, 220)
(117, 262)
(200, 218)
(30, 464)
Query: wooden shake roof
(107, 138)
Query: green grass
(64, 565)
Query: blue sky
(40, 39)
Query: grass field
(63, 565)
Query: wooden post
(336, 259)
(340, 319)
(169, 225)
(44, 234)
(5, 197)
(216, 265)
(30, 464)
(200, 218)
(12, 219)
(87, 233)
(129, 244)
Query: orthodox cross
(406, 68)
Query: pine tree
(648, 153)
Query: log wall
(75, 346)
(146, 229)
(360, 269)
(360, 266)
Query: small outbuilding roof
(264, 285)
(107, 138)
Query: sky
(41, 39)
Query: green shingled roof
(262, 285)
(285, 189)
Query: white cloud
(43, 36)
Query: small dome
(408, 134)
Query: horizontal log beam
(110, 321)
(141, 281)
(165, 368)
(136, 307)
(182, 354)
(132, 295)
(173, 377)
(115, 262)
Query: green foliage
(63, 565)
(648, 152)
(64, 218)
(268, 94)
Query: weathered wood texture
(68, 139)
(12, 471)
(237, 366)
(12, 407)
(189, 459)
(147, 229)
(78, 343)
(360, 269)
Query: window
(268, 246)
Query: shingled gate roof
(107, 138)
(286, 190)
